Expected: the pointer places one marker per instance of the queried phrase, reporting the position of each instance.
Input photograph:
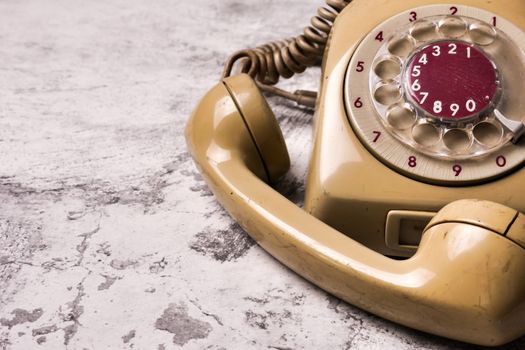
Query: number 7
(378, 135)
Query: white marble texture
(109, 238)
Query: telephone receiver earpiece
(465, 282)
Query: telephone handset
(421, 105)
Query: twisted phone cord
(267, 63)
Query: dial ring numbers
(406, 158)
(451, 80)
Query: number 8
(438, 107)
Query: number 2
(438, 106)
(453, 49)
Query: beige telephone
(421, 104)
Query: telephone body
(421, 105)
(354, 185)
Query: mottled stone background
(109, 238)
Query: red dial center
(451, 80)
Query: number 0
(501, 161)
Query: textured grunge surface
(109, 238)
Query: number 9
(457, 169)
(454, 108)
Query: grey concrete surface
(109, 238)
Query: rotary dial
(443, 100)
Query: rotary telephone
(417, 161)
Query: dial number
(360, 66)
(458, 169)
(471, 105)
(416, 71)
(501, 161)
(416, 86)
(454, 108)
(412, 161)
(377, 136)
(453, 10)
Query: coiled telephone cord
(267, 63)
